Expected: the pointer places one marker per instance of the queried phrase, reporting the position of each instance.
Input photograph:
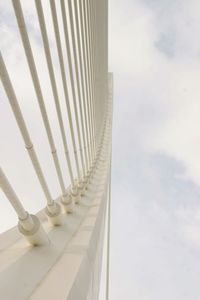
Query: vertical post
(29, 225)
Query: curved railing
(67, 262)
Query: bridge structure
(57, 252)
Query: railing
(82, 56)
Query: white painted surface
(69, 268)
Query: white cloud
(154, 54)
(161, 91)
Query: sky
(154, 54)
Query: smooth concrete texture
(70, 267)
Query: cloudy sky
(155, 58)
(154, 53)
